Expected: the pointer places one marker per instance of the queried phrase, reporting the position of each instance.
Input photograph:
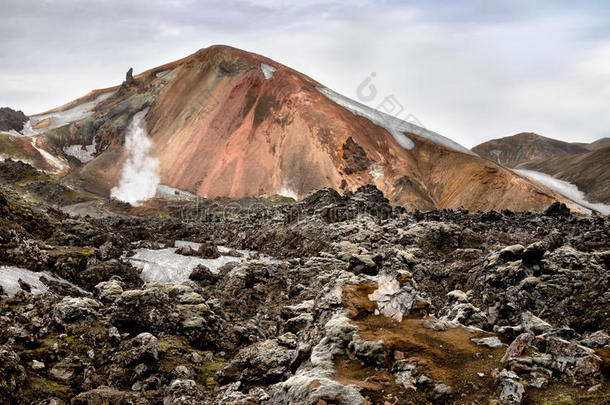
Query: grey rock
(511, 253)
(108, 396)
(75, 310)
(371, 353)
(37, 365)
(262, 363)
(492, 342)
(298, 322)
(441, 390)
(12, 373)
(511, 389)
(109, 291)
(184, 392)
(596, 340)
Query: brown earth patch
(446, 356)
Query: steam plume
(139, 178)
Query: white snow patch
(393, 125)
(290, 193)
(376, 172)
(84, 154)
(164, 189)
(9, 280)
(61, 118)
(166, 266)
(56, 162)
(162, 73)
(139, 178)
(496, 153)
(567, 189)
(268, 71)
(13, 132)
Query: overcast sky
(471, 70)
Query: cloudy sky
(472, 70)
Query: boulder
(109, 291)
(570, 358)
(108, 396)
(261, 363)
(596, 340)
(393, 299)
(533, 253)
(208, 250)
(371, 353)
(441, 391)
(12, 375)
(75, 310)
(491, 342)
(511, 253)
(362, 263)
(203, 275)
(184, 392)
(161, 308)
(557, 209)
(518, 347)
(511, 389)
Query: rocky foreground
(361, 303)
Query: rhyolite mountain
(226, 122)
(525, 147)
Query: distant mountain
(599, 144)
(225, 122)
(525, 147)
(589, 171)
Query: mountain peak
(226, 122)
(525, 146)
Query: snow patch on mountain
(567, 189)
(268, 71)
(164, 189)
(376, 172)
(140, 174)
(56, 162)
(395, 126)
(60, 118)
(83, 153)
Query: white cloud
(470, 70)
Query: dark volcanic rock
(208, 250)
(11, 119)
(129, 77)
(12, 375)
(322, 312)
(266, 362)
(557, 209)
(355, 157)
(104, 271)
(160, 308)
(203, 275)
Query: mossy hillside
(37, 186)
(9, 146)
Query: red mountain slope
(223, 123)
